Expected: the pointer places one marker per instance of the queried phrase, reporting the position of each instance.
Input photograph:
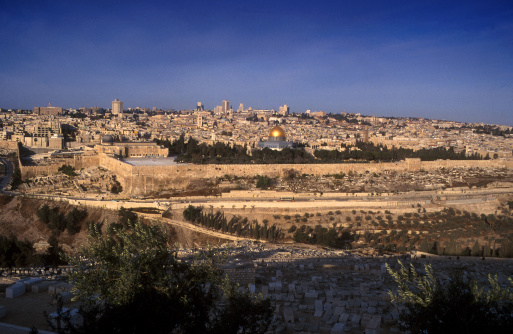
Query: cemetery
(312, 290)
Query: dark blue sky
(435, 59)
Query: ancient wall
(35, 171)
(147, 179)
(8, 144)
(53, 168)
(122, 170)
(139, 180)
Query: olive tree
(128, 281)
(457, 305)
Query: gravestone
(15, 290)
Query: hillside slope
(18, 216)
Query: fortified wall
(8, 145)
(138, 180)
(77, 162)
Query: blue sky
(435, 59)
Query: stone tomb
(15, 290)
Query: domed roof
(276, 132)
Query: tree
(476, 249)
(116, 186)
(14, 252)
(456, 305)
(16, 179)
(53, 255)
(263, 182)
(128, 281)
(68, 170)
(73, 220)
(126, 216)
(44, 214)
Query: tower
(226, 106)
(117, 107)
(284, 110)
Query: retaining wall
(146, 179)
(140, 180)
(53, 168)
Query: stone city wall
(139, 180)
(122, 170)
(53, 168)
(9, 145)
(146, 179)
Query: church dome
(276, 132)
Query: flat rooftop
(151, 161)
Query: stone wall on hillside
(9, 145)
(140, 180)
(77, 162)
(147, 179)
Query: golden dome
(276, 132)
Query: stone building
(130, 149)
(48, 110)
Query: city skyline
(425, 59)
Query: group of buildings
(55, 128)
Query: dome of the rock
(277, 132)
(276, 140)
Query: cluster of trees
(347, 118)
(396, 233)
(263, 182)
(329, 237)
(220, 153)
(116, 186)
(128, 281)
(492, 130)
(236, 225)
(370, 152)
(456, 305)
(192, 152)
(126, 216)
(58, 222)
(16, 253)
